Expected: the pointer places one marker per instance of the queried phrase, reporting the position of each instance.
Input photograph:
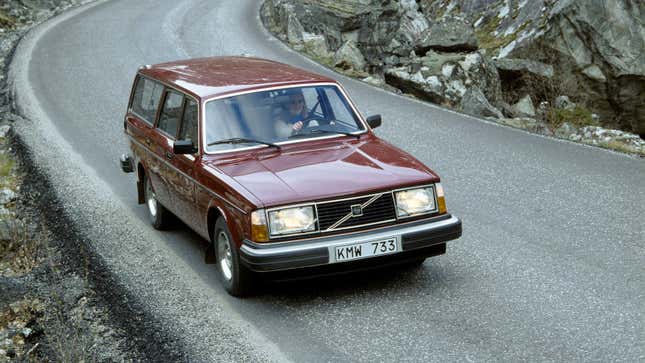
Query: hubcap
(151, 200)
(225, 256)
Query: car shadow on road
(386, 280)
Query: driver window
(170, 113)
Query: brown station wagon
(276, 168)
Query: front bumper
(418, 236)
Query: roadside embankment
(520, 64)
(49, 306)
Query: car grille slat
(380, 210)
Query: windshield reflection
(267, 117)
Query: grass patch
(7, 179)
(22, 252)
(6, 22)
(578, 116)
(489, 41)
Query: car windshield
(269, 117)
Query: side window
(170, 113)
(189, 122)
(146, 99)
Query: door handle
(169, 155)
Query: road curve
(550, 266)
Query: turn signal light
(441, 199)
(259, 229)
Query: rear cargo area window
(146, 99)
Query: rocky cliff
(492, 58)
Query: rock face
(512, 67)
(591, 50)
(474, 103)
(448, 34)
(316, 45)
(349, 57)
(444, 78)
(525, 106)
(603, 41)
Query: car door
(140, 124)
(161, 146)
(183, 186)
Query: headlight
(415, 201)
(292, 220)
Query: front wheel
(235, 277)
(158, 214)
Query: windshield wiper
(335, 132)
(243, 140)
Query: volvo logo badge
(357, 210)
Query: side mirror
(374, 121)
(184, 147)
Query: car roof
(217, 76)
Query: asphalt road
(551, 265)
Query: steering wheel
(306, 124)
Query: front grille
(380, 210)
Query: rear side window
(170, 113)
(146, 99)
(189, 123)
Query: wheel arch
(216, 211)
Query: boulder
(444, 78)
(315, 45)
(325, 17)
(10, 228)
(349, 57)
(594, 72)
(294, 30)
(5, 130)
(448, 35)
(525, 106)
(514, 67)
(475, 103)
(7, 196)
(429, 89)
(507, 110)
(564, 103)
(391, 32)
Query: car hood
(299, 173)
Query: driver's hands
(297, 126)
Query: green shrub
(577, 116)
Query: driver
(293, 113)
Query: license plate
(356, 251)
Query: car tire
(158, 214)
(236, 278)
